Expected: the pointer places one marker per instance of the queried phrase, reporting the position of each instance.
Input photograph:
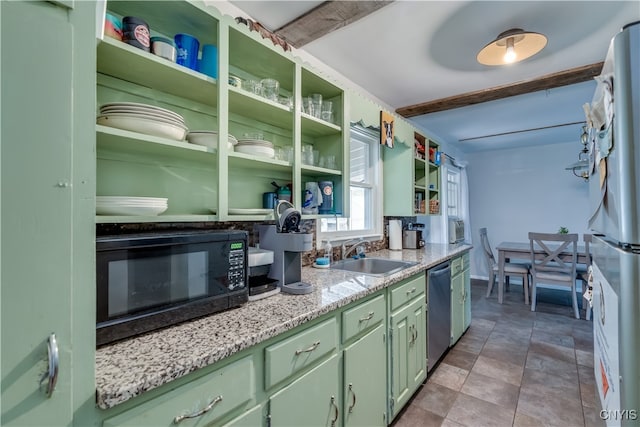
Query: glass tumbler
(270, 89)
(316, 101)
(327, 111)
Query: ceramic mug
(209, 63)
(187, 47)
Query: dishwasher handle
(440, 270)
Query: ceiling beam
(549, 81)
(325, 18)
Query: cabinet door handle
(52, 372)
(353, 403)
(335, 419)
(204, 410)
(410, 291)
(308, 350)
(367, 317)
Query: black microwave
(149, 281)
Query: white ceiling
(410, 52)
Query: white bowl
(256, 150)
(145, 126)
(208, 139)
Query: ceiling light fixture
(511, 46)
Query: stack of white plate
(122, 205)
(143, 118)
(209, 138)
(256, 147)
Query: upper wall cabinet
(255, 97)
(142, 151)
(398, 173)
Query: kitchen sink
(372, 266)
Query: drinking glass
(270, 89)
(327, 111)
(316, 101)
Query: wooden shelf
(316, 170)
(255, 107)
(123, 219)
(125, 62)
(258, 162)
(125, 141)
(314, 127)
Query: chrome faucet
(358, 245)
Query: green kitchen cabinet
(460, 297)
(205, 400)
(48, 235)
(407, 346)
(398, 174)
(223, 183)
(254, 417)
(313, 399)
(364, 385)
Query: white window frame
(371, 137)
(453, 192)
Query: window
(453, 192)
(365, 211)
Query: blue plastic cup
(209, 63)
(187, 47)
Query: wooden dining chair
(553, 261)
(583, 275)
(510, 269)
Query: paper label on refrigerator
(606, 344)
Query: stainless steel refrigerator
(614, 198)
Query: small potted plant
(563, 230)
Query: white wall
(512, 192)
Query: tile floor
(512, 367)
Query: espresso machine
(287, 243)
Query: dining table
(522, 250)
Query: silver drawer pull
(410, 291)
(52, 372)
(367, 317)
(204, 410)
(335, 419)
(308, 350)
(353, 404)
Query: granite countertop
(129, 368)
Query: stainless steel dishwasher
(438, 312)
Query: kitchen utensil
(188, 47)
(270, 89)
(284, 193)
(395, 234)
(312, 198)
(143, 125)
(112, 26)
(269, 200)
(135, 32)
(326, 187)
(209, 63)
(287, 217)
(164, 48)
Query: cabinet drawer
(404, 293)
(362, 317)
(456, 266)
(299, 351)
(232, 385)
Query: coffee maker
(412, 237)
(287, 243)
(260, 284)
